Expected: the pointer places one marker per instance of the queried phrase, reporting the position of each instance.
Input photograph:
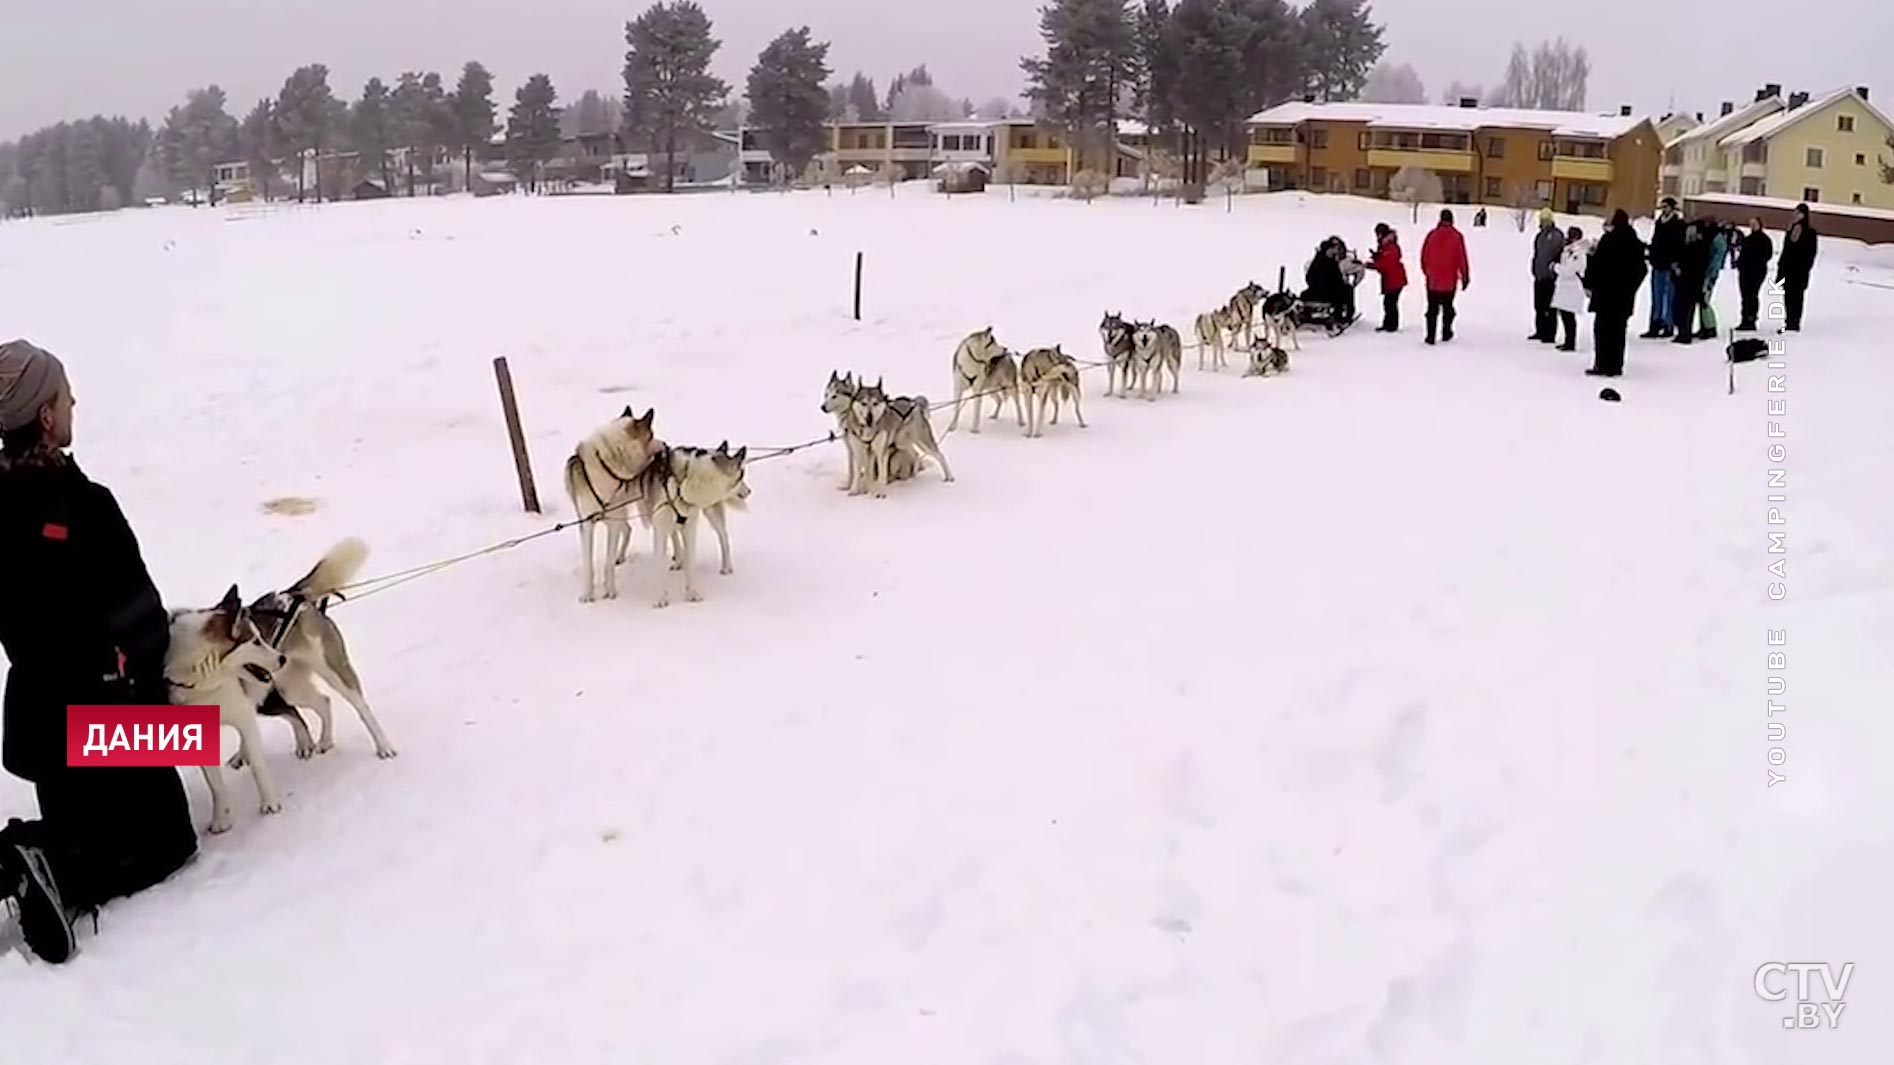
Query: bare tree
(916, 102)
(1461, 90)
(1552, 77)
(1414, 186)
(1391, 84)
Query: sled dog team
(262, 659)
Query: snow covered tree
(259, 145)
(1552, 77)
(473, 113)
(787, 102)
(1391, 84)
(838, 102)
(421, 120)
(532, 129)
(1414, 186)
(915, 102)
(196, 137)
(669, 90)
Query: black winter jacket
(1798, 254)
(77, 601)
(1753, 253)
(1667, 242)
(1615, 272)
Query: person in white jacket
(1568, 291)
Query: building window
(1860, 159)
(1845, 123)
(1542, 190)
(1494, 189)
(1496, 147)
(1756, 152)
(1318, 138)
(1364, 140)
(1815, 158)
(1362, 177)
(1752, 186)
(1812, 194)
(1592, 195)
(1318, 177)
(1670, 186)
(1545, 151)
(1856, 198)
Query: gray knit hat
(30, 378)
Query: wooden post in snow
(529, 496)
(858, 286)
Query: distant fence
(1848, 222)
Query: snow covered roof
(1723, 125)
(1781, 120)
(1458, 119)
(968, 126)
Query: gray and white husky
(1156, 348)
(1240, 313)
(838, 399)
(1212, 327)
(265, 659)
(983, 368)
(681, 488)
(1279, 321)
(1267, 359)
(602, 484)
(1118, 338)
(891, 431)
(1049, 376)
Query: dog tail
(336, 569)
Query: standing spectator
(1693, 265)
(1546, 249)
(1386, 261)
(1720, 236)
(81, 624)
(1667, 246)
(1613, 277)
(1568, 293)
(1753, 253)
(1444, 266)
(1798, 260)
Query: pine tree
(308, 116)
(838, 102)
(473, 112)
(670, 93)
(532, 129)
(421, 121)
(371, 127)
(862, 96)
(1343, 44)
(258, 145)
(1091, 58)
(196, 137)
(787, 101)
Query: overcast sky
(64, 59)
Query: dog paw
(305, 752)
(693, 596)
(325, 746)
(268, 808)
(236, 762)
(588, 597)
(218, 828)
(726, 571)
(660, 604)
(386, 752)
(676, 566)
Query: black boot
(26, 879)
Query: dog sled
(1328, 301)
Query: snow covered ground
(1409, 708)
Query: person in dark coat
(1667, 246)
(81, 623)
(1693, 270)
(1753, 254)
(1797, 262)
(1613, 276)
(1386, 261)
(1547, 247)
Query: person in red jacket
(1386, 261)
(1444, 265)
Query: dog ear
(628, 413)
(649, 417)
(231, 603)
(723, 448)
(877, 384)
(741, 452)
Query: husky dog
(1156, 348)
(1267, 360)
(1279, 321)
(1211, 328)
(209, 663)
(1049, 376)
(1117, 336)
(601, 482)
(1240, 314)
(296, 622)
(982, 368)
(891, 432)
(681, 487)
(839, 400)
